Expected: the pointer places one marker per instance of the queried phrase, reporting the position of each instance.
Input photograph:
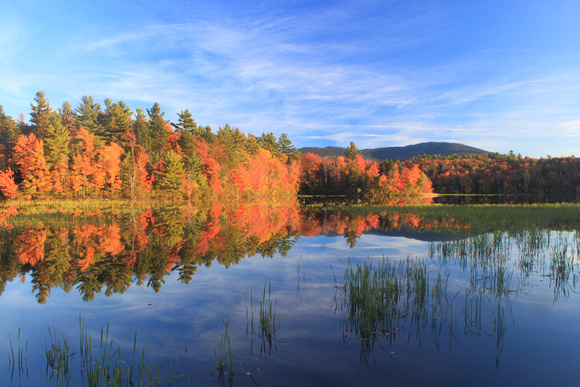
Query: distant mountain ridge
(401, 153)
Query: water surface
(476, 304)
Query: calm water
(489, 308)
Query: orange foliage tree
(28, 154)
(7, 185)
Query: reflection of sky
(187, 321)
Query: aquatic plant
(223, 367)
(18, 359)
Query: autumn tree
(29, 155)
(109, 163)
(83, 162)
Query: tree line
(112, 152)
(544, 179)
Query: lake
(279, 294)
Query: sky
(498, 75)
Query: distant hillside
(401, 152)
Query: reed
(18, 358)
(99, 361)
(59, 358)
(269, 321)
(224, 363)
(223, 367)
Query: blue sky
(499, 75)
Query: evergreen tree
(191, 161)
(117, 121)
(351, 151)
(172, 178)
(286, 148)
(142, 132)
(269, 142)
(186, 122)
(40, 114)
(56, 141)
(66, 110)
(252, 144)
(158, 131)
(87, 114)
(233, 141)
(9, 133)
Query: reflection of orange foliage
(412, 220)
(211, 230)
(5, 215)
(173, 257)
(83, 237)
(339, 224)
(261, 221)
(110, 239)
(30, 246)
(92, 239)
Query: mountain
(401, 153)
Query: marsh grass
(91, 362)
(67, 212)
(496, 273)
(223, 367)
(269, 321)
(18, 358)
(485, 217)
(224, 363)
(382, 299)
(59, 358)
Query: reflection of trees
(98, 252)
(107, 251)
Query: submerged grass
(92, 362)
(224, 362)
(269, 321)
(382, 299)
(18, 359)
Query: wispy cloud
(377, 73)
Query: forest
(544, 179)
(109, 151)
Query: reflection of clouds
(186, 320)
(367, 244)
